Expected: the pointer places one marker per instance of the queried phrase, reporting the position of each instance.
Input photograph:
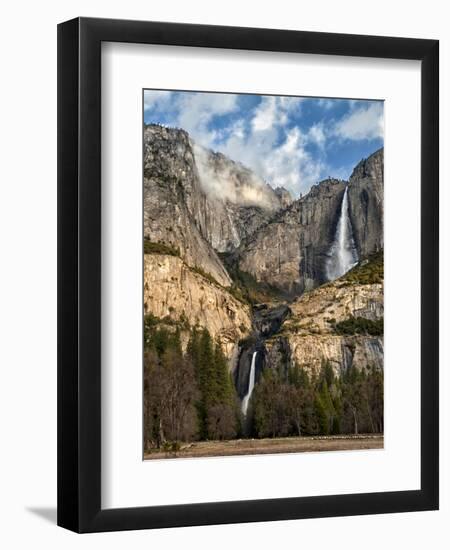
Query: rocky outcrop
(284, 196)
(268, 320)
(366, 198)
(310, 332)
(341, 352)
(174, 291)
(317, 311)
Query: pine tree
(298, 377)
(224, 384)
(201, 351)
(326, 408)
(193, 346)
(321, 414)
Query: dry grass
(272, 446)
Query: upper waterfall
(343, 255)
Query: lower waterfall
(251, 384)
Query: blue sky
(292, 142)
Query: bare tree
(222, 421)
(169, 395)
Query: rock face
(268, 321)
(172, 200)
(172, 290)
(315, 311)
(310, 335)
(366, 197)
(284, 196)
(341, 352)
(290, 251)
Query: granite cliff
(289, 252)
(174, 211)
(176, 293)
(366, 198)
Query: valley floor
(272, 446)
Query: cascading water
(343, 255)
(251, 384)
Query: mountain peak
(370, 166)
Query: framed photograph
(247, 276)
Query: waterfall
(343, 255)
(251, 384)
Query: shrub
(370, 271)
(205, 274)
(360, 325)
(160, 248)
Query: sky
(293, 142)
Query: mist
(228, 181)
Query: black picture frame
(79, 274)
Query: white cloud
(274, 111)
(294, 140)
(325, 103)
(362, 123)
(197, 110)
(291, 166)
(278, 155)
(156, 98)
(317, 135)
(191, 111)
(264, 142)
(265, 114)
(228, 185)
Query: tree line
(321, 404)
(191, 396)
